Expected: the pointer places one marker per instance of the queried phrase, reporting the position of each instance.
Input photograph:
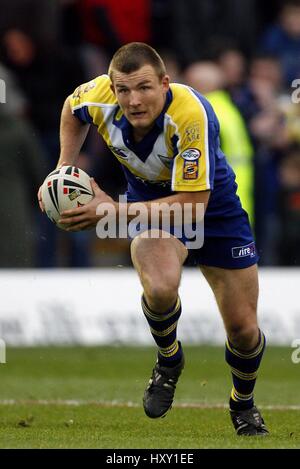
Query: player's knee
(244, 336)
(135, 244)
(161, 294)
(138, 247)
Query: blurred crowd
(242, 55)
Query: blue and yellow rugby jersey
(180, 153)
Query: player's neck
(139, 134)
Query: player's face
(141, 96)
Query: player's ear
(112, 88)
(166, 82)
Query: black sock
(164, 331)
(244, 367)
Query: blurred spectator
(269, 133)
(235, 67)
(193, 22)
(282, 39)
(106, 25)
(16, 103)
(289, 208)
(172, 65)
(41, 17)
(21, 171)
(46, 77)
(233, 64)
(208, 79)
(266, 84)
(110, 24)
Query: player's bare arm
(85, 217)
(72, 136)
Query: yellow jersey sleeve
(191, 168)
(89, 99)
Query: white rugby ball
(64, 189)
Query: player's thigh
(158, 260)
(236, 293)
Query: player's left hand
(85, 217)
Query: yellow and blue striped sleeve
(192, 169)
(88, 99)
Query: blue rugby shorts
(228, 240)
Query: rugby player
(166, 137)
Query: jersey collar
(143, 148)
(160, 119)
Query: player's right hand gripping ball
(65, 189)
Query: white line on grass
(115, 403)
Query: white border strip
(88, 103)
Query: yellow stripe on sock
(236, 396)
(244, 376)
(246, 355)
(160, 317)
(165, 332)
(232, 395)
(170, 350)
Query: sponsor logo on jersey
(118, 151)
(193, 132)
(190, 169)
(192, 154)
(80, 90)
(244, 251)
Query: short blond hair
(131, 57)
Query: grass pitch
(76, 397)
